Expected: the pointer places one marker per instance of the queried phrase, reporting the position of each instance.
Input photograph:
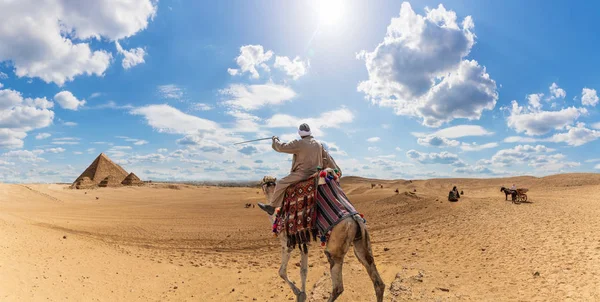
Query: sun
(330, 12)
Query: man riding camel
(309, 154)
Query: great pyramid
(99, 170)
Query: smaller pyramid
(132, 180)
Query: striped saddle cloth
(312, 208)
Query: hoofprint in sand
(185, 243)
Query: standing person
(308, 155)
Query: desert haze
(163, 242)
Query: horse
(507, 192)
(349, 231)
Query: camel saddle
(312, 208)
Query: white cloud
(520, 139)
(135, 141)
(541, 122)
(477, 169)
(373, 139)
(199, 143)
(251, 56)
(244, 122)
(535, 100)
(68, 101)
(445, 158)
(43, 135)
(140, 142)
(437, 141)
(329, 119)
(201, 107)
(524, 154)
(3, 76)
(419, 69)
(458, 131)
(77, 152)
(54, 47)
(252, 97)
(589, 97)
(25, 156)
(576, 136)
(170, 91)
(55, 150)
(165, 118)
(69, 124)
(557, 92)
(475, 147)
(373, 149)
(333, 149)
(20, 115)
(294, 69)
(11, 139)
(162, 150)
(132, 57)
(94, 95)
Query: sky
(411, 90)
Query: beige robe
(308, 155)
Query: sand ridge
(186, 243)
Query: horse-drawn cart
(517, 195)
(520, 196)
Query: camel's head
(268, 185)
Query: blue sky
(394, 89)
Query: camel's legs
(303, 274)
(336, 277)
(362, 250)
(303, 269)
(339, 242)
(285, 258)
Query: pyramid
(99, 170)
(132, 180)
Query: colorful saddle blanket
(311, 208)
(298, 213)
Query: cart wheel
(524, 197)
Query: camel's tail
(362, 233)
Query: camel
(349, 231)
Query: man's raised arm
(291, 147)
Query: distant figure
(514, 187)
(381, 186)
(455, 190)
(372, 186)
(462, 193)
(397, 192)
(452, 196)
(414, 190)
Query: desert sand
(187, 243)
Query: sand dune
(187, 243)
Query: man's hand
(275, 138)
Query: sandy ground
(201, 244)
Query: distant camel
(349, 231)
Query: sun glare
(330, 12)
